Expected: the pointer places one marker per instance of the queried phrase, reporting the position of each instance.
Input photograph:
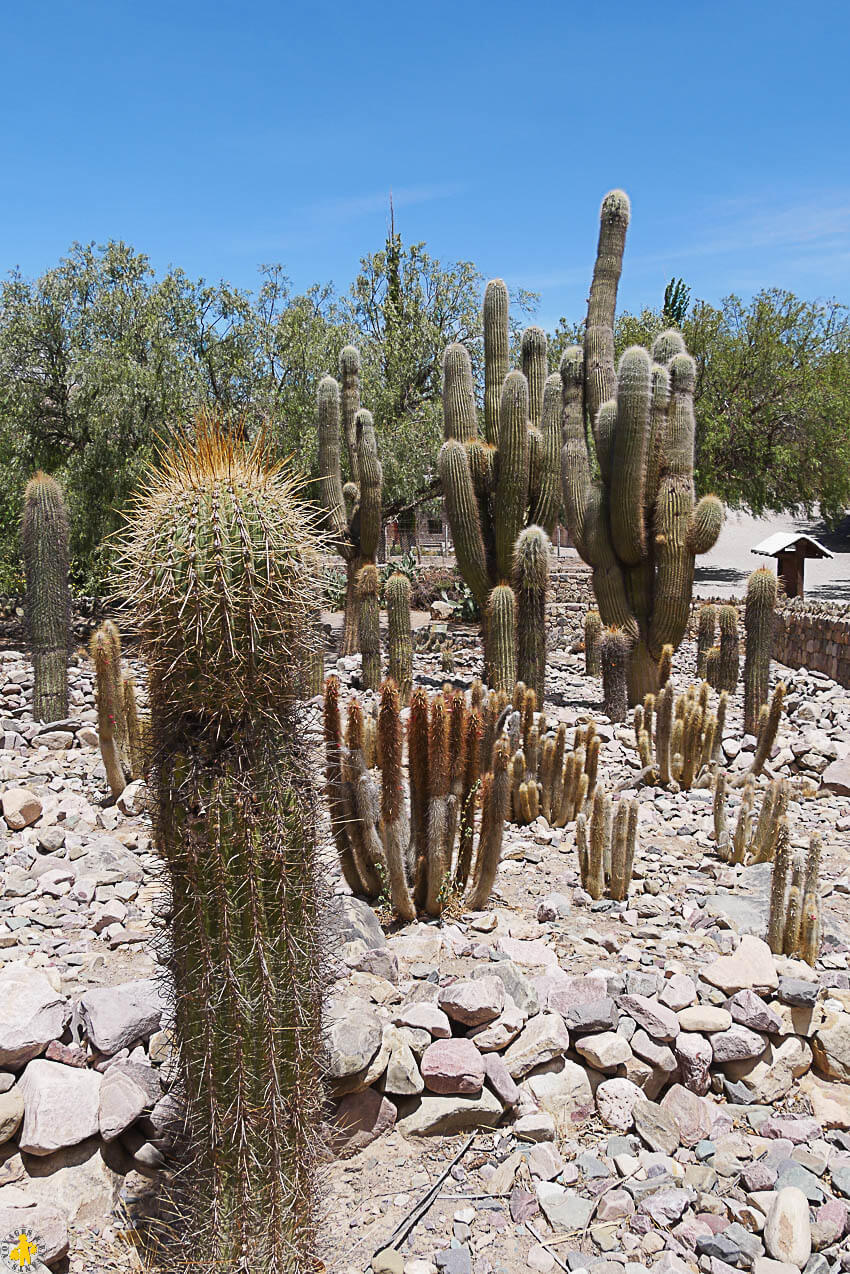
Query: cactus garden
(492, 924)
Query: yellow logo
(20, 1250)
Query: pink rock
(473, 1002)
(694, 1055)
(655, 1018)
(691, 1114)
(500, 1080)
(453, 1066)
(359, 1119)
(424, 1017)
(615, 1101)
(21, 807)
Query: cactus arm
(575, 462)
(463, 512)
(604, 432)
(657, 432)
(330, 475)
(496, 350)
(501, 638)
(349, 370)
(600, 376)
(371, 478)
(628, 467)
(460, 415)
(706, 525)
(512, 479)
(544, 510)
(535, 359)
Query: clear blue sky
(218, 136)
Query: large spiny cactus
(503, 484)
(353, 511)
(44, 537)
(217, 561)
(638, 524)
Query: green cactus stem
(592, 638)
(501, 625)
(530, 581)
(217, 562)
(45, 534)
(758, 622)
(397, 597)
(369, 588)
(727, 664)
(705, 638)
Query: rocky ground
(552, 1084)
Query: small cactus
(592, 638)
(758, 622)
(501, 628)
(606, 846)
(44, 539)
(768, 728)
(110, 707)
(369, 588)
(705, 638)
(794, 917)
(614, 658)
(685, 735)
(749, 844)
(530, 581)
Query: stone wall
(817, 638)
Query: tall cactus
(217, 562)
(505, 483)
(397, 597)
(353, 511)
(44, 538)
(639, 525)
(758, 622)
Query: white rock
(787, 1230)
(60, 1106)
(32, 1013)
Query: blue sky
(220, 136)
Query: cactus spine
(217, 560)
(758, 622)
(353, 511)
(639, 527)
(614, 658)
(503, 484)
(44, 539)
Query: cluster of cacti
(122, 734)
(678, 736)
(754, 838)
(546, 776)
(592, 639)
(639, 525)
(502, 490)
(721, 661)
(614, 663)
(758, 622)
(413, 839)
(606, 845)
(218, 562)
(400, 636)
(353, 511)
(794, 918)
(44, 540)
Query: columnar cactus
(614, 659)
(607, 845)
(705, 638)
(639, 525)
(497, 486)
(758, 622)
(217, 563)
(353, 511)
(722, 661)
(397, 598)
(369, 589)
(592, 638)
(44, 538)
(530, 581)
(110, 708)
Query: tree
(677, 297)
